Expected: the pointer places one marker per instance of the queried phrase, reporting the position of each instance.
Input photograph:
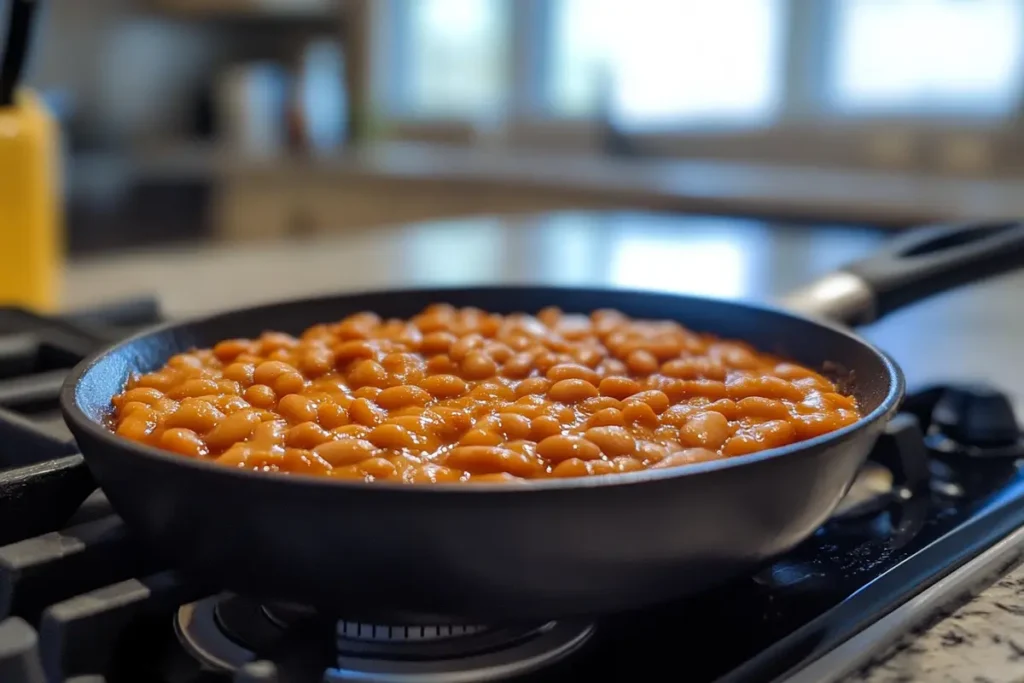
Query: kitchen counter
(752, 188)
(981, 642)
(971, 334)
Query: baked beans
(463, 395)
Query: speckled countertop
(972, 334)
(981, 642)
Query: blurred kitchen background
(240, 120)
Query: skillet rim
(79, 420)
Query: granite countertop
(981, 642)
(971, 334)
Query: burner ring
(405, 653)
(511, 653)
(284, 615)
(197, 629)
(382, 633)
(431, 642)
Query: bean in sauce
(463, 395)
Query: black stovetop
(79, 602)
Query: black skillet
(545, 549)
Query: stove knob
(976, 415)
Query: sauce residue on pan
(463, 395)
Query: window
(927, 56)
(735, 79)
(650, 61)
(453, 58)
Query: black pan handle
(907, 269)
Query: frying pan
(549, 548)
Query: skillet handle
(920, 264)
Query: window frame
(849, 138)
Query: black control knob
(976, 415)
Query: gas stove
(933, 516)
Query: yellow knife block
(31, 229)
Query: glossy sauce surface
(462, 395)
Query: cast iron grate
(45, 485)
